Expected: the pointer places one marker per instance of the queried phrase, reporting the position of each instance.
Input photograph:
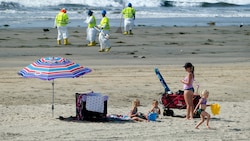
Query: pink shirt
(186, 86)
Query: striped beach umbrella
(50, 68)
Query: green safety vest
(62, 19)
(105, 23)
(93, 23)
(128, 12)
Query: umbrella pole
(53, 98)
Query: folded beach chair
(91, 106)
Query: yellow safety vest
(105, 23)
(61, 19)
(93, 23)
(128, 12)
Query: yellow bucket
(215, 109)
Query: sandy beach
(222, 66)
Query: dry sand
(222, 65)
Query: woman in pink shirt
(189, 89)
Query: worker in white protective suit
(129, 17)
(104, 33)
(91, 31)
(61, 22)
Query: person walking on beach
(104, 33)
(189, 90)
(61, 22)
(201, 107)
(91, 31)
(129, 17)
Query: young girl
(201, 107)
(134, 114)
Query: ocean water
(41, 13)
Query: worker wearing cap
(61, 22)
(129, 17)
(91, 31)
(104, 33)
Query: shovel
(119, 29)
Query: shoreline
(147, 22)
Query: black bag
(180, 92)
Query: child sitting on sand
(201, 107)
(154, 112)
(134, 114)
(155, 108)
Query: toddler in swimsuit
(155, 108)
(135, 114)
(154, 111)
(201, 107)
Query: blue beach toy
(152, 116)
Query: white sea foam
(119, 3)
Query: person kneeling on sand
(201, 107)
(134, 114)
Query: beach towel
(117, 117)
(95, 104)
